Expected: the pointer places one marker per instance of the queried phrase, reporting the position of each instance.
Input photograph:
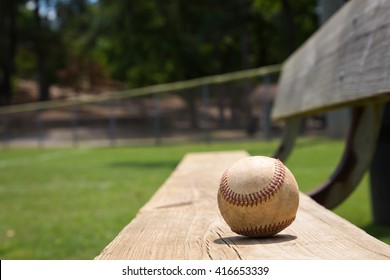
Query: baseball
(258, 196)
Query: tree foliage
(142, 42)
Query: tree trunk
(289, 27)
(41, 57)
(8, 50)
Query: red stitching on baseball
(257, 197)
(264, 229)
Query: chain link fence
(230, 106)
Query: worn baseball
(258, 196)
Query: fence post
(5, 136)
(39, 127)
(266, 112)
(112, 123)
(157, 118)
(75, 136)
(206, 105)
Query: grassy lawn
(70, 203)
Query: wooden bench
(346, 63)
(182, 221)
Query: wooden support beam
(357, 157)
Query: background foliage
(89, 43)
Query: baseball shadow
(244, 240)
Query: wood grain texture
(182, 221)
(345, 63)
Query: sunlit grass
(70, 203)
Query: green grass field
(70, 203)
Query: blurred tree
(29, 47)
(154, 41)
(48, 45)
(77, 22)
(142, 42)
(8, 44)
(41, 53)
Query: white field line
(50, 187)
(41, 158)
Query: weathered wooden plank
(346, 62)
(182, 221)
